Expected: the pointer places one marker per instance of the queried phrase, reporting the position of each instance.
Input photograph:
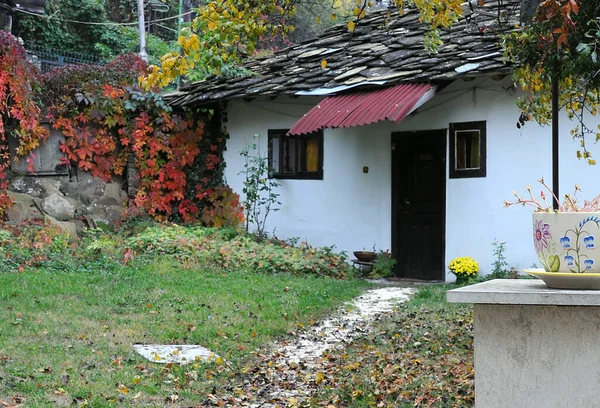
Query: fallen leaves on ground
(414, 357)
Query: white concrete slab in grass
(178, 354)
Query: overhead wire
(98, 23)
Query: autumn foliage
(111, 127)
(560, 44)
(19, 112)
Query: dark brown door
(418, 203)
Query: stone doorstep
(179, 354)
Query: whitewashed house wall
(352, 210)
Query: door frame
(394, 137)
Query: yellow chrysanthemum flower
(464, 267)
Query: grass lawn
(66, 337)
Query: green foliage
(259, 189)
(230, 249)
(102, 41)
(384, 265)
(36, 244)
(40, 245)
(500, 265)
(155, 46)
(97, 40)
(218, 205)
(500, 268)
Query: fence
(47, 58)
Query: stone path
(353, 321)
(301, 357)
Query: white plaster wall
(348, 208)
(353, 210)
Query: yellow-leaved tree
(225, 31)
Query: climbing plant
(108, 122)
(260, 190)
(19, 108)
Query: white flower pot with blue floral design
(566, 241)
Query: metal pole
(180, 21)
(142, 30)
(555, 140)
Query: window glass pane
(275, 154)
(475, 156)
(312, 154)
(289, 154)
(467, 149)
(295, 157)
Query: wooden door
(419, 204)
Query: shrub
(37, 244)
(230, 249)
(32, 244)
(500, 267)
(384, 265)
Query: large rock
(58, 206)
(86, 191)
(106, 201)
(76, 204)
(51, 186)
(113, 190)
(114, 213)
(32, 186)
(105, 214)
(66, 226)
(24, 207)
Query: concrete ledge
(522, 292)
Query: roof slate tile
(381, 48)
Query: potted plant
(565, 239)
(464, 268)
(365, 256)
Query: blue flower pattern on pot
(595, 219)
(569, 260)
(573, 246)
(589, 242)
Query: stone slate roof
(383, 47)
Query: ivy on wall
(108, 121)
(19, 108)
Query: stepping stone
(179, 354)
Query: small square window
(467, 149)
(296, 157)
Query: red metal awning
(363, 108)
